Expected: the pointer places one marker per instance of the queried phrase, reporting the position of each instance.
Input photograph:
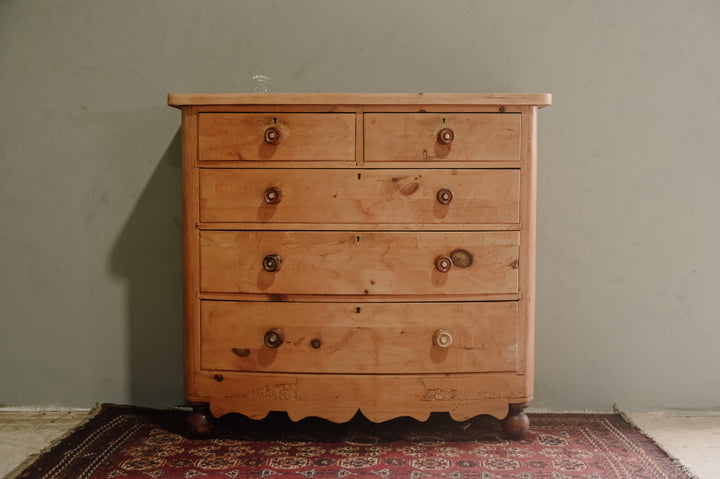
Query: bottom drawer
(367, 338)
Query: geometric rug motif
(129, 442)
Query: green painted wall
(90, 246)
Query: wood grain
(405, 137)
(191, 249)
(357, 263)
(337, 397)
(359, 298)
(360, 99)
(303, 136)
(369, 197)
(359, 338)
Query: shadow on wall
(148, 253)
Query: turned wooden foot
(516, 424)
(200, 420)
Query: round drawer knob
(274, 338)
(445, 196)
(272, 263)
(443, 264)
(272, 196)
(442, 338)
(272, 135)
(446, 136)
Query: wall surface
(629, 155)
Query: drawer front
(276, 136)
(431, 137)
(358, 263)
(369, 338)
(367, 196)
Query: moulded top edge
(360, 99)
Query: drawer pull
(442, 338)
(274, 338)
(272, 196)
(272, 263)
(443, 263)
(445, 196)
(446, 136)
(272, 135)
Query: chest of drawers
(371, 252)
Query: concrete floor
(24, 433)
(693, 439)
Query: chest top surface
(200, 99)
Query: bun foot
(200, 420)
(516, 424)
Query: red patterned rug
(134, 442)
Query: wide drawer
(367, 196)
(439, 137)
(276, 136)
(359, 263)
(374, 338)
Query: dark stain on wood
(461, 258)
(242, 352)
(410, 188)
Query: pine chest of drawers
(371, 252)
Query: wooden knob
(446, 136)
(272, 135)
(442, 338)
(274, 338)
(272, 196)
(443, 263)
(272, 263)
(445, 196)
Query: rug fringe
(33, 457)
(673, 458)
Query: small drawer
(439, 137)
(360, 196)
(372, 338)
(276, 137)
(359, 263)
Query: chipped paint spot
(263, 85)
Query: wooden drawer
(359, 263)
(299, 137)
(349, 196)
(371, 338)
(392, 137)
